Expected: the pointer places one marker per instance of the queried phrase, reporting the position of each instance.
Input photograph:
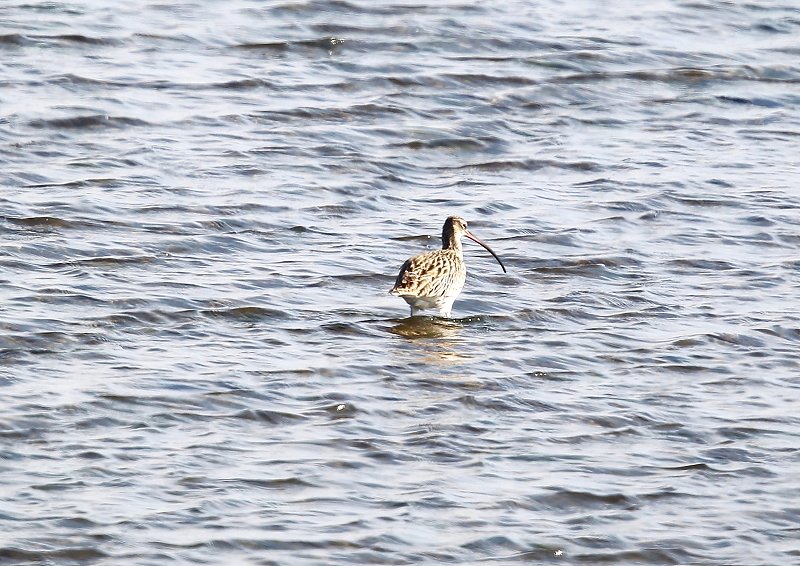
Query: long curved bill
(488, 249)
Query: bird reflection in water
(438, 338)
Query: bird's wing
(421, 275)
(409, 273)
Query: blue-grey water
(203, 205)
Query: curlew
(433, 280)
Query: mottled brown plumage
(434, 279)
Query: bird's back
(438, 273)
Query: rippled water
(204, 205)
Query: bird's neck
(452, 243)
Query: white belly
(443, 303)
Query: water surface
(204, 205)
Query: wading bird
(434, 279)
